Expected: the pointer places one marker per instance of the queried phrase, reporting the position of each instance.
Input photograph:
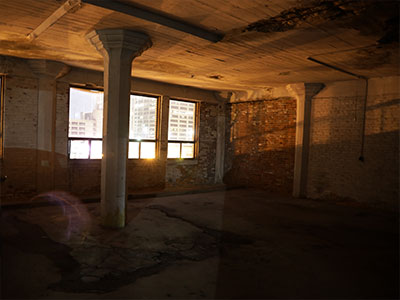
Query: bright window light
(181, 129)
(147, 150)
(174, 150)
(187, 150)
(79, 149)
(86, 125)
(96, 149)
(133, 150)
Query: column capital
(301, 90)
(106, 40)
(312, 89)
(46, 68)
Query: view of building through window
(142, 127)
(86, 125)
(181, 129)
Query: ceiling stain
(370, 58)
(218, 77)
(391, 31)
(369, 17)
(315, 12)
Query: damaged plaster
(368, 17)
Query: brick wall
(260, 141)
(335, 170)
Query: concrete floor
(221, 244)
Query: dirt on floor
(221, 244)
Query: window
(142, 127)
(181, 129)
(86, 125)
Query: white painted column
(303, 92)
(47, 73)
(118, 47)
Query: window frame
(156, 134)
(81, 138)
(196, 127)
(156, 139)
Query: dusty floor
(221, 244)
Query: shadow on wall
(261, 148)
(260, 144)
(270, 170)
(335, 170)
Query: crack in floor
(223, 236)
(102, 276)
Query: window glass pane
(96, 149)
(187, 150)
(147, 150)
(174, 150)
(133, 150)
(85, 113)
(79, 149)
(143, 117)
(181, 121)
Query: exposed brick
(202, 171)
(260, 141)
(335, 170)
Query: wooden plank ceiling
(266, 42)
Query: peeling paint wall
(371, 17)
(335, 170)
(82, 177)
(20, 142)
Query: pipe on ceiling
(157, 17)
(361, 157)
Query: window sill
(186, 162)
(84, 161)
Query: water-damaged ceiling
(264, 42)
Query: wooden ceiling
(265, 43)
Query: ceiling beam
(157, 17)
(69, 5)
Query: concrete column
(118, 47)
(220, 151)
(163, 135)
(303, 93)
(163, 128)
